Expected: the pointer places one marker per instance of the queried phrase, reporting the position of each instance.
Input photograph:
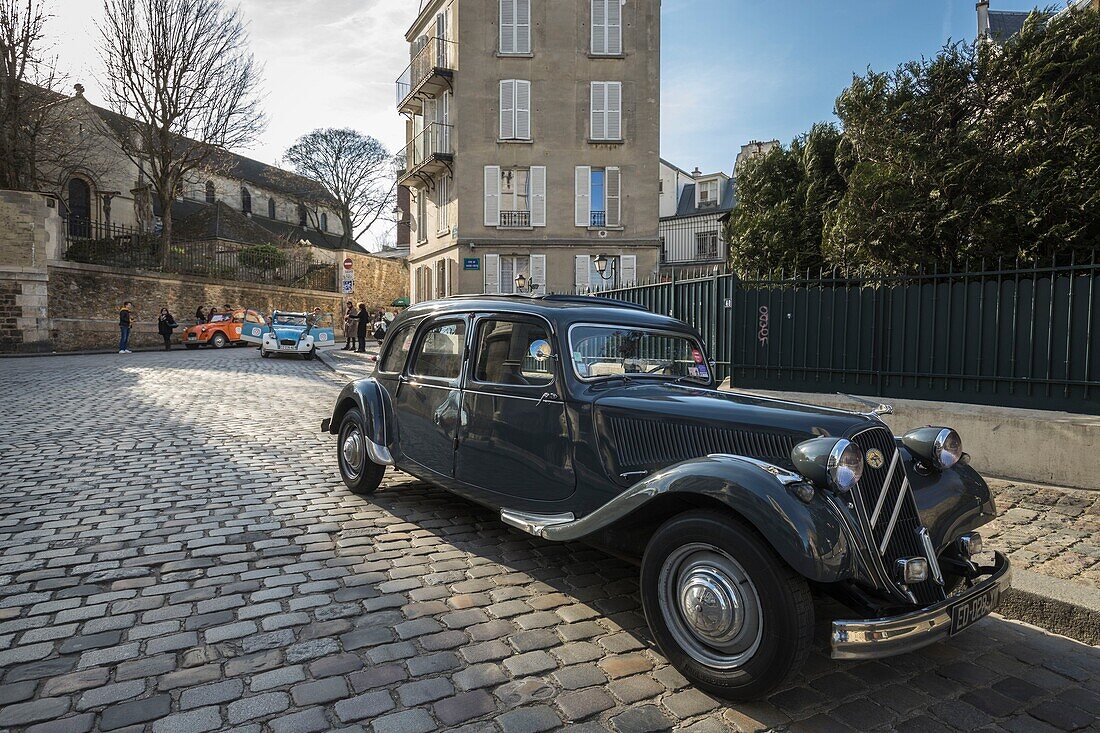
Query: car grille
(891, 511)
(648, 444)
(287, 342)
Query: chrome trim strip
(378, 454)
(884, 637)
(784, 476)
(516, 396)
(930, 553)
(533, 523)
(885, 487)
(894, 517)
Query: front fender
(374, 402)
(810, 537)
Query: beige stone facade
(30, 233)
(533, 144)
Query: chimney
(983, 18)
(79, 89)
(697, 173)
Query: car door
(429, 399)
(253, 328)
(324, 332)
(514, 439)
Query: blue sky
(738, 70)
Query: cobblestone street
(179, 554)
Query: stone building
(1000, 25)
(533, 132)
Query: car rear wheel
(310, 354)
(359, 473)
(219, 341)
(726, 611)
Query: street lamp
(521, 282)
(601, 263)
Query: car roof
(562, 310)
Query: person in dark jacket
(363, 321)
(165, 324)
(200, 315)
(125, 322)
(350, 320)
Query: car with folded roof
(584, 418)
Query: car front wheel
(264, 352)
(360, 474)
(726, 611)
(219, 341)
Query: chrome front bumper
(885, 637)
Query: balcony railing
(436, 58)
(599, 219)
(433, 143)
(515, 220)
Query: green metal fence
(1019, 335)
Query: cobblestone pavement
(178, 554)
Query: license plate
(965, 613)
(191, 337)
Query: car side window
(515, 353)
(398, 351)
(440, 351)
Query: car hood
(645, 427)
(288, 332)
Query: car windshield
(284, 319)
(219, 317)
(614, 351)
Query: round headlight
(947, 448)
(845, 465)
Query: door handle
(546, 396)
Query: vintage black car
(582, 418)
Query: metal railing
(598, 219)
(1010, 334)
(437, 54)
(692, 240)
(433, 141)
(515, 219)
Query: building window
(607, 27)
(501, 271)
(515, 109)
(515, 197)
(324, 222)
(270, 208)
(302, 216)
(246, 201)
(706, 245)
(515, 26)
(621, 270)
(598, 197)
(607, 106)
(708, 193)
(210, 193)
(421, 217)
(442, 286)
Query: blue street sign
(471, 263)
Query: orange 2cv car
(221, 330)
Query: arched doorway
(80, 208)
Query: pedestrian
(165, 324)
(200, 315)
(311, 321)
(363, 320)
(380, 326)
(125, 322)
(350, 320)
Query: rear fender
(810, 537)
(374, 402)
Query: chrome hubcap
(711, 604)
(352, 450)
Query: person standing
(380, 326)
(363, 320)
(125, 322)
(200, 315)
(311, 321)
(350, 320)
(165, 325)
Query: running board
(532, 523)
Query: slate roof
(1003, 24)
(686, 205)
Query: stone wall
(84, 302)
(30, 233)
(378, 280)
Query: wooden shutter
(507, 109)
(599, 26)
(599, 110)
(538, 271)
(523, 26)
(522, 128)
(492, 274)
(449, 269)
(580, 272)
(583, 196)
(613, 195)
(629, 266)
(492, 195)
(614, 124)
(537, 182)
(508, 26)
(614, 27)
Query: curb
(1059, 606)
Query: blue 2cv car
(580, 418)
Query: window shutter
(599, 110)
(538, 195)
(492, 195)
(538, 271)
(614, 125)
(580, 273)
(507, 26)
(599, 26)
(614, 27)
(449, 270)
(614, 196)
(523, 109)
(523, 26)
(583, 203)
(507, 109)
(629, 264)
(492, 274)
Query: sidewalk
(350, 364)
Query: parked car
(286, 333)
(223, 329)
(580, 418)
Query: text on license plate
(965, 613)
